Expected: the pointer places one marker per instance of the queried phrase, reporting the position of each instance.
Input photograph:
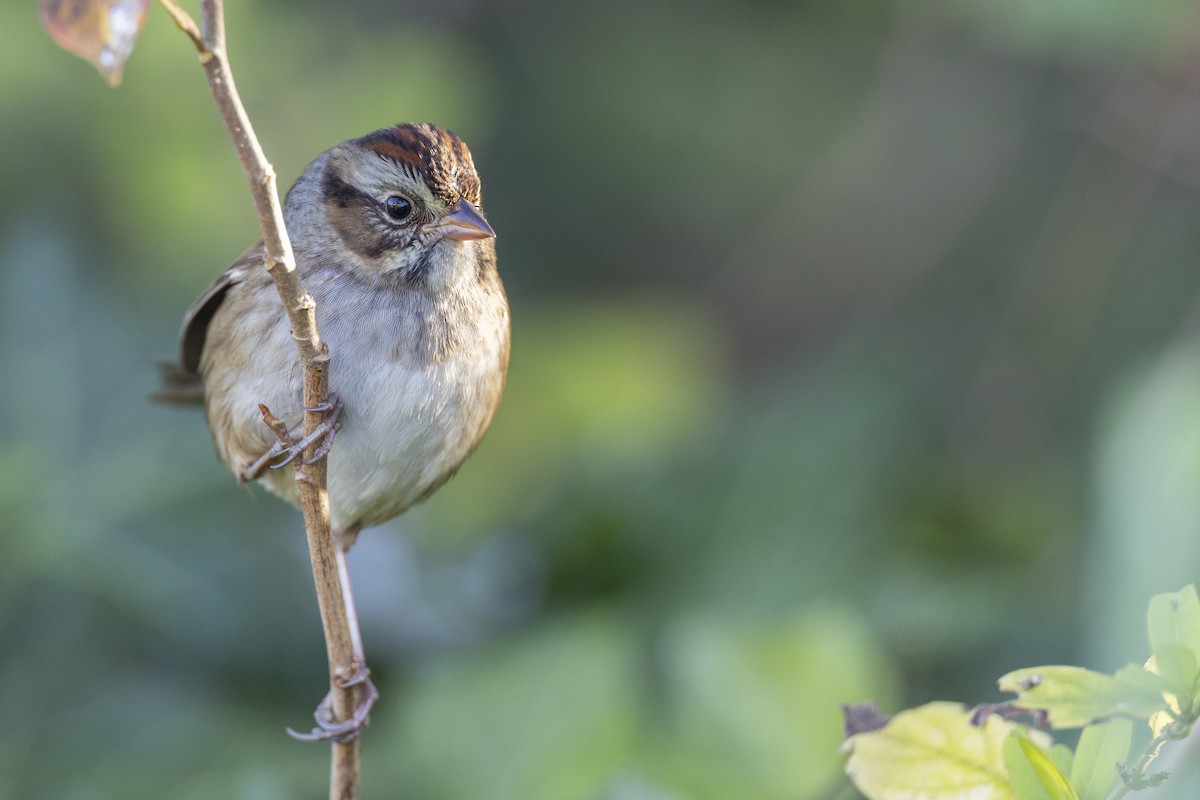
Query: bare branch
(209, 40)
(185, 23)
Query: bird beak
(465, 223)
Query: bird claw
(330, 730)
(323, 433)
(328, 405)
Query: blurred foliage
(945, 751)
(855, 355)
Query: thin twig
(277, 426)
(185, 23)
(1135, 777)
(209, 40)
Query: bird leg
(328, 728)
(287, 445)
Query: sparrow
(392, 243)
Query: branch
(344, 670)
(1136, 777)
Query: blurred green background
(856, 354)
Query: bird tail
(179, 387)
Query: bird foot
(287, 448)
(329, 729)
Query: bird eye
(398, 208)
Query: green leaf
(1021, 774)
(1055, 783)
(1175, 617)
(1073, 696)
(1100, 748)
(1140, 691)
(1177, 666)
(935, 753)
(1173, 623)
(1060, 754)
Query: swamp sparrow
(392, 244)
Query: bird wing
(195, 321)
(181, 382)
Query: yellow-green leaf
(1056, 784)
(1177, 666)
(100, 31)
(1073, 696)
(932, 752)
(1100, 748)
(1175, 617)
(1173, 624)
(1024, 778)
(1141, 692)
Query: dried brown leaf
(100, 31)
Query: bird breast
(419, 376)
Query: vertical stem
(336, 604)
(344, 771)
(347, 757)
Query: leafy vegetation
(942, 751)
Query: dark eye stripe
(343, 194)
(368, 234)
